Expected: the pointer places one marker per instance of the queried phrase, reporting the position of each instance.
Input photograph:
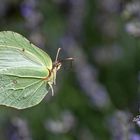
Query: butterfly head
(58, 63)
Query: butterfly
(26, 72)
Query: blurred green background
(98, 96)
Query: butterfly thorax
(51, 78)
(52, 73)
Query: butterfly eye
(59, 66)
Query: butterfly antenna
(67, 59)
(58, 51)
(72, 62)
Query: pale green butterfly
(26, 72)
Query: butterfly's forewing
(22, 69)
(15, 40)
(14, 62)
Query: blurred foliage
(108, 35)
